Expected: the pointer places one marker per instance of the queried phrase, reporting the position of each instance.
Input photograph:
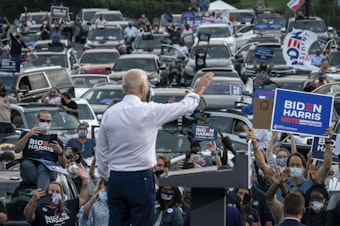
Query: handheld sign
(59, 12)
(204, 132)
(263, 109)
(10, 65)
(204, 37)
(301, 112)
(264, 53)
(318, 148)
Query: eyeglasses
(44, 120)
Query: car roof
(138, 56)
(99, 50)
(213, 42)
(42, 68)
(107, 86)
(305, 19)
(213, 25)
(108, 12)
(94, 9)
(87, 75)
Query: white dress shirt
(128, 132)
(130, 32)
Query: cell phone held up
(53, 137)
(46, 199)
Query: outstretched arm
(327, 161)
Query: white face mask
(44, 126)
(103, 197)
(45, 23)
(295, 172)
(316, 206)
(56, 198)
(82, 133)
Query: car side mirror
(243, 135)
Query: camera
(53, 137)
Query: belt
(137, 171)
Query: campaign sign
(203, 37)
(10, 65)
(263, 53)
(318, 148)
(204, 132)
(59, 12)
(167, 16)
(301, 112)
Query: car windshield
(99, 58)
(224, 88)
(215, 32)
(269, 22)
(316, 26)
(151, 43)
(127, 64)
(213, 52)
(60, 60)
(88, 15)
(104, 97)
(334, 59)
(84, 112)
(105, 34)
(298, 86)
(88, 81)
(109, 17)
(61, 120)
(247, 16)
(277, 59)
(230, 74)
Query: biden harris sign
(301, 112)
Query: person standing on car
(45, 29)
(16, 45)
(100, 21)
(5, 111)
(86, 145)
(123, 161)
(57, 211)
(37, 148)
(130, 31)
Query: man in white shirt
(130, 31)
(126, 147)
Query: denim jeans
(36, 173)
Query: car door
(243, 34)
(35, 85)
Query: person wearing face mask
(16, 45)
(319, 80)
(201, 55)
(100, 21)
(5, 112)
(130, 31)
(316, 202)
(56, 211)
(45, 29)
(37, 147)
(167, 209)
(85, 145)
(317, 59)
(52, 96)
(96, 210)
(56, 33)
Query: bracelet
(62, 153)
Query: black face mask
(18, 37)
(158, 173)
(3, 93)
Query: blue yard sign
(318, 148)
(301, 112)
(264, 53)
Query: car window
(102, 96)
(316, 26)
(60, 120)
(215, 32)
(88, 15)
(127, 64)
(37, 81)
(334, 58)
(225, 123)
(109, 17)
(57, 59)
(151, 43)
(17, 119)
(59, 77)
(105, 34)
(84, 112)
(277, 58)
(224, 88)
(213, 52)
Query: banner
(203, 37)
(204, 132)
(302, 112)
(167, 16)
(10, 65)
(295, 4)
(295, 49)
(59, 12)
(263, 53)
(318, 148)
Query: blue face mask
(56, 198)
(82, 133)
(103, 197)
(295, 172)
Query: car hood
(221, 101)
(97, 68)
(147, 51)
(105, 43)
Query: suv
(33, 83)
(314, 24)
(108, 37)
(109, 16)
(37, 17)
(82, 23)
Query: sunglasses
(44, 120)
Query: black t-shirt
(200, 61)
(72, 105)
(37, 147)
(2, 210)
(16, 46)
(44, 35)
(45, 216)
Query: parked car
(291, 82)
(107, 37)
(109, 16)
(23, 117)
(242, 34)
(150, 63)
(33, 83)
(218, 72)
(37, 17)
(332, 89)
(84, 82)
(86, 114)
(146, 43)
(218, 32)
(82, 22)
(97, 61)
(269, 24)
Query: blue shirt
(86, 149)
(204, 6)
(304, 185)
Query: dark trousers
(131, 198)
